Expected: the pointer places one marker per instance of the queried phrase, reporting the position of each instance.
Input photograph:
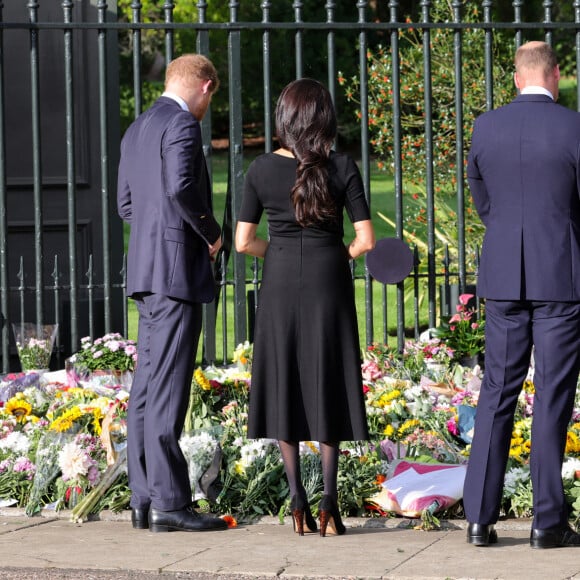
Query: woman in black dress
(306, 370)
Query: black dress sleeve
(355, 204)
(252, 209)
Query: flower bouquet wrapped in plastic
(114, 439)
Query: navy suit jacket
(164, 194)
(524, 175)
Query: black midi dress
(306, 370)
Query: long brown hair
(306, 126)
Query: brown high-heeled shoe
(302, 519)
(330, 522)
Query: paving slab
(50, 547)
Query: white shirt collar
(535, 90)
(177, 99)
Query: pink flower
(452, 427)
(370, 371)
(455, 318)
(113, 345)
(23, 464)
(465, 298)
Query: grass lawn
(382, 201)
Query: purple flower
(24, 464)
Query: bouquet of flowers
(110, 352)
(34, 344)
(243, 356)
(16, 469)
(463, 333)
(199, 450)
(80, 462)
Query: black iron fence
(64, 65)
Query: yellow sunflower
(201, 380)
(65, 421)
(19, 407)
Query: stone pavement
(50, 547)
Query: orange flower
(231, 521)
(380, 479)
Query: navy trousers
(512, 328)
(169, 332)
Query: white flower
(198, 450)
(254, 449)
(74, 462)
(570, 467)
(309, 448)
(16, 442)
(35, 396)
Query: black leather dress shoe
(140, 518)
(554, 538)
(185, 520)
(481, 534)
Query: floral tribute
(463, 333)
(34, 344)
(110, 352)
(62, 446)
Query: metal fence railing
(64, 66)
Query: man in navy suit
(524, 176)
(164, 194)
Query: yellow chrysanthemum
(408, 426)
(19, 407)
(389, 430)
(97, 420)
(516, 452)
(201, 380)
(394, 394)
(529, 387)
(312, 447)
(572, 443)
(239, 468)
(527, 446)
(381, 402)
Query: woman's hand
(364, 240)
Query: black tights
(290, 451)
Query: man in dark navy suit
(164, 194)
(524, 175)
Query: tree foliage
(443, 113)
(281, 51)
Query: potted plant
(111, 357)
(464, 333)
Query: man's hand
(215, 248)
